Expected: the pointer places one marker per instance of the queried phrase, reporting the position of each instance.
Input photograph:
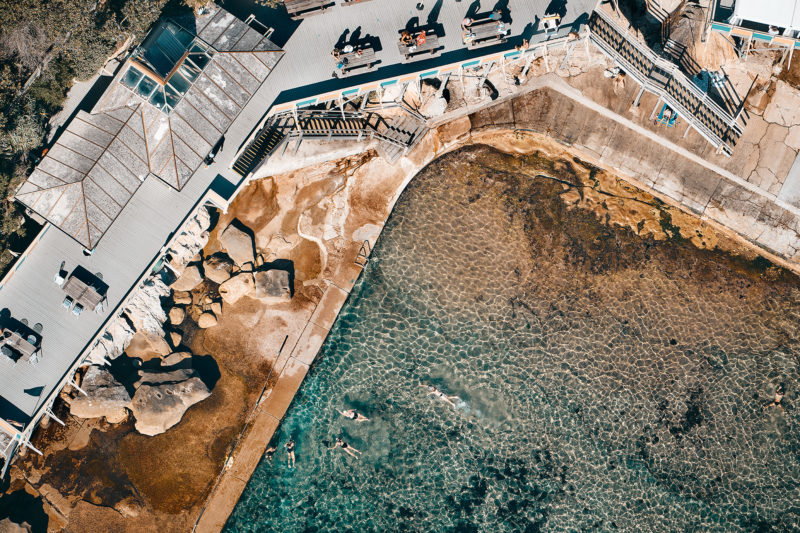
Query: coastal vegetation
(44, 48)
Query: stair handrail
(671, 69)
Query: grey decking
(154, 211)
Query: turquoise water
(607, 382)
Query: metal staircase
(396, 137)
(663, 78)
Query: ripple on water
(608, 381)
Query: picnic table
(83, 293)
(12, 341)
(298, 9)
(359, 58)
(486, 32)
(431, 46)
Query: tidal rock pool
(605, 381)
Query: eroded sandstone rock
(175, 338)
(190, 279)
(207, 320)
(162, 398)
(176, 357)
(239, 285)
(106, 397)
(182, 298)
(176, 315)
(218, 268)
(146, 344)
(272, 286)
(238, 245)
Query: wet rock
(238, 245)
(162, 398)
(182, 298)
(176, 315)
(190, 279)
(106, 397)
(175, 338)
(206, 320)
(236, 287)
(146, 344)
(175, 358)
(272, 286)
(217, 268)
(216, 308)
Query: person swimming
(353, 415)
(438, 394)
(270, 452)
(779, 392)
(290, 453)
(339, 443)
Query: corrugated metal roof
(101, 159)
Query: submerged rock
(207, 320)
(239, 285)
(218, 268)
(106, 397)
(238, 245)
(190, 279)
(272, 286)
(162, 398)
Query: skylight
(166, 65)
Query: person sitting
(405, 38)
(336, 53)
(466, 23)
(421, 38)
(496, 15)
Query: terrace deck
(146, 222)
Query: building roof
(168, 105)
(778, 13)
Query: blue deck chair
(667, 121)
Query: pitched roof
(99, 161)
(90, 173)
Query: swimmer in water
(270, 452)
(355, 416)
(779, 392)
(442, 396)
(346, 447)
(290, 453)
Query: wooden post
(544, 55)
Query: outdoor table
(82, 293)
(485, 32)
(354, 60)
(303, 8)
(431, 46)
(14, 340)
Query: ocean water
(606, 382)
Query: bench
(357, 60)
(412, 52)
(486, 32)
(298, 9)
